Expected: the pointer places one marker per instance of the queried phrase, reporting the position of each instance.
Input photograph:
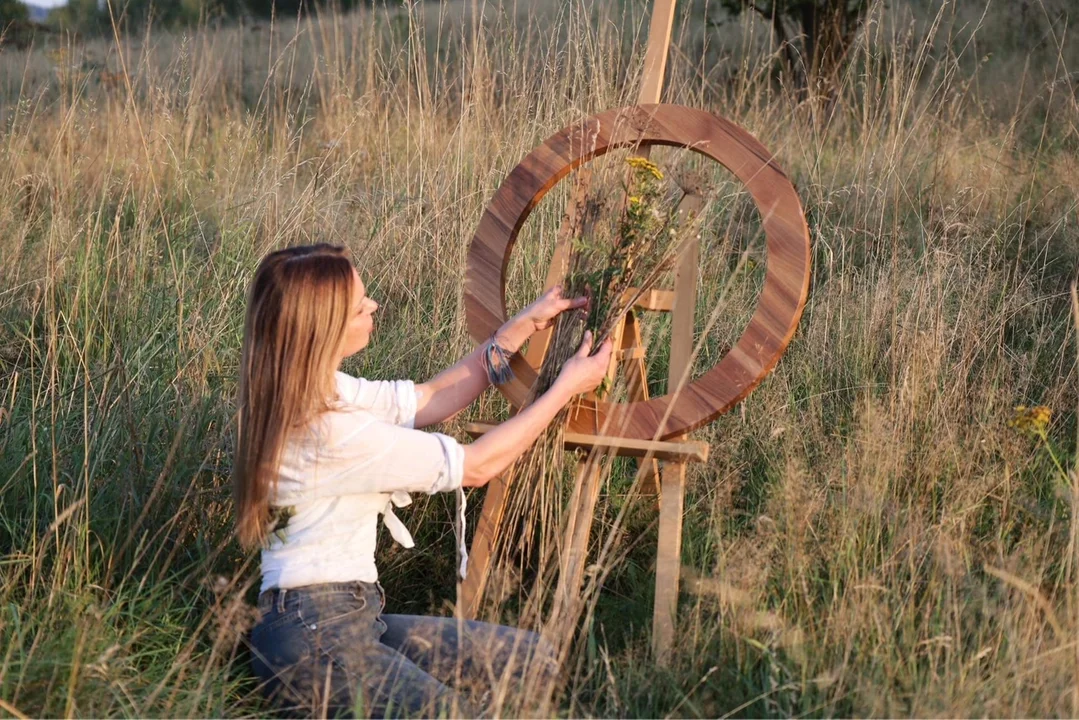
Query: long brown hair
(297, 312)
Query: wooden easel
(668, 478)
(653, 429)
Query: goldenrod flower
(1033, 421)
(644, 165)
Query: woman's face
(360, 319)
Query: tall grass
(869, 536)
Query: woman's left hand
(536, 316)
(549, 305)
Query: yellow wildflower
(644, 165)
(1034, 420)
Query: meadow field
(878, 530)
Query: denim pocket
(331, 611)
(340, 620)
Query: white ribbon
(462, 548)
(397, 528)
(403, 537)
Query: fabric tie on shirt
(462, 548)
(397, 529)
(400, 533)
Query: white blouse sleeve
(392, 401)
(364, 455)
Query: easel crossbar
(685, 451)
(653, 299)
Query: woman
(320, 455)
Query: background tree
(15, 25)
(12, 11)
(285, 8)
(815, 34)
(81, 16)
(131, 14)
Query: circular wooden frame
(786, 282)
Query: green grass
(868, 538)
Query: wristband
(496, 361)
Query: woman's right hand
(497, 449)
(584, 372)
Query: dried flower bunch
(615, 268)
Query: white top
(355, 462)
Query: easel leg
(655, 59)
(668, 560)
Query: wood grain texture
(786, 237)
(654, 300)
(635, 371)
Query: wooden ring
(786, 283)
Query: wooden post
(655, 68)
(668, 560)
(655, 58)
(574, 556)
(672, 482)
(475, 582)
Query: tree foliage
(15, 27)
(285, 8)
(12, 11)
(80, 16)
(815, 34)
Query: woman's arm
(494, 451)
(455, 388)
(451, 391)
(370, 455)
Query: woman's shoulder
(355, 390)
(392, 401)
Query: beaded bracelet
(496, 361)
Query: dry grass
(869, 537)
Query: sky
(46, 3)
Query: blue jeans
(328, 650)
